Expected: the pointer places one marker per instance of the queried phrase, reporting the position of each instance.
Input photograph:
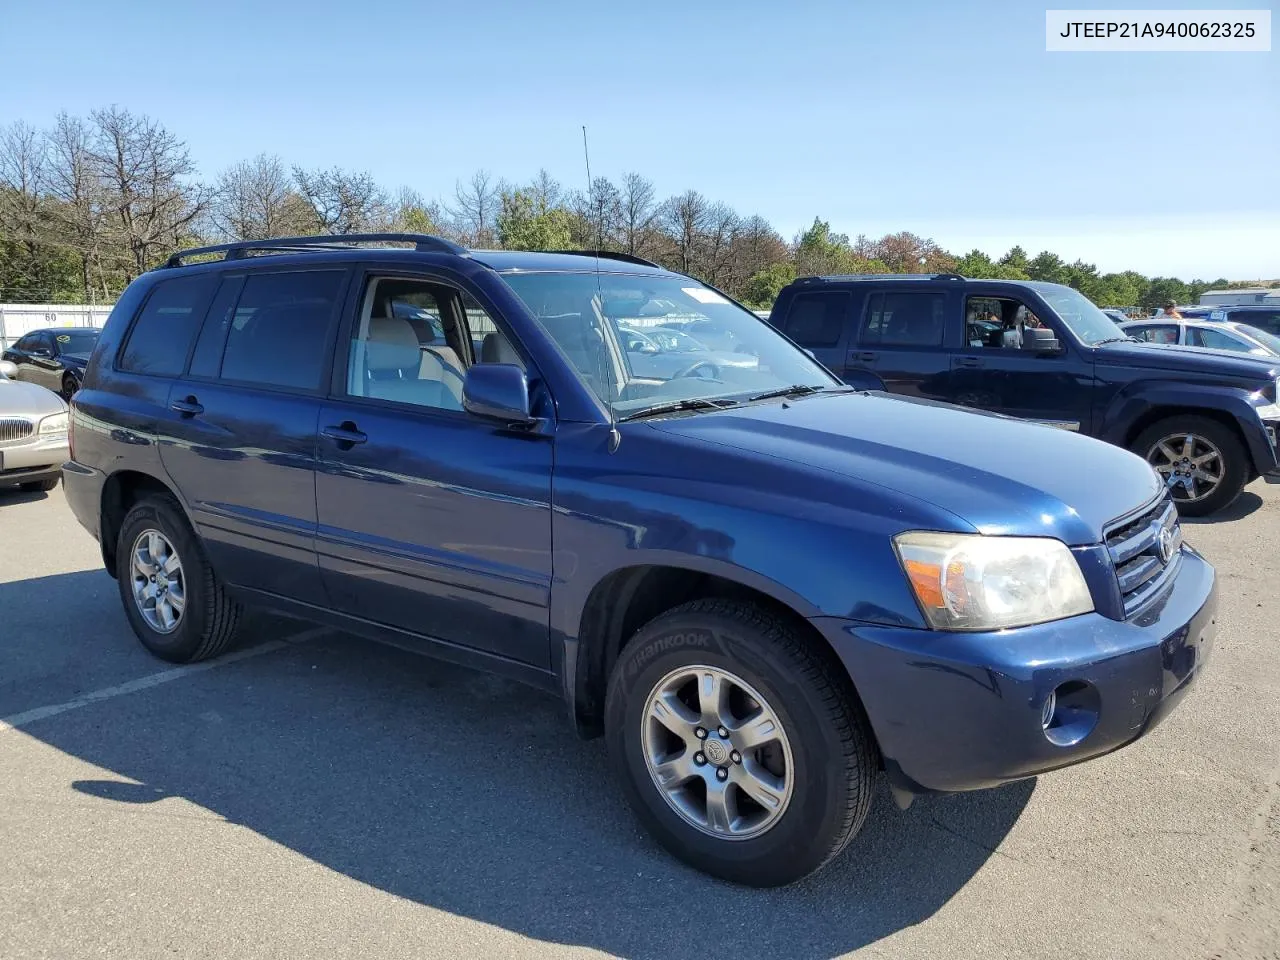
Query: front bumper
(31, 462)
(966, 711)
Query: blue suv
(762, 586)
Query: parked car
(666, 353)
(1204, 420)
(33, 433)
(54, 358)
(762, 587)
(1119, 316)
(1263, 317)
(1233, 337)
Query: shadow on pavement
(472, 794)
(1246, 504)
(11, 495)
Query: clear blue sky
(948, 119)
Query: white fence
(18, 319)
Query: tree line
(91, 202)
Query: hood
(995, 474)
(1184, 359)
(19, 399)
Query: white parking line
(153, 680)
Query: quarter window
(817, 319)
(162, 334)
(905, 319)
(279, 333)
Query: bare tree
(342, 201)
(545, 191)
(597, 216)
(476, 212)
(413, 214)
(255, 199)
(144, 170)
(722, 226)
(22, 171)
(637, 214)
(684, 220)
(77, 208)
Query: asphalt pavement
(316, 796)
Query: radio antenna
(615, 437)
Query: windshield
(1268, 340)
(1079, 313)
(77, 341)
(595, 319)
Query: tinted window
(905, 319)
(207, 359)
(162, 334)
(278, 335)
(29, 342)
(1268, 320)
(77, 341)
(817, 319)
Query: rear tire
(39, 486)
(1200, 447)
(819, 761)
(159, 560)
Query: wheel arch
(624, 600)
(120, 491)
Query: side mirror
(1041, 339)
(648, 348)
(8, 369)
(497, 391)
(43, 352)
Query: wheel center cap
(717, 752)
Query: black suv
(1205, 419)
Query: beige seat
(398, 369)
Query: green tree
(763, 287)
(524, 223)
(977, 265)
(1016, 260)
(1048, 267)
(1161, 290)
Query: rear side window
(1162, 333)
(817, 319)
(1268, 320)
(905, 319)
(279, 333)
(1203, 337)
(162, 334)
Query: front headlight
(972, 582)
(54, 425)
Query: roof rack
(609, 255)
(238, 250)
(881, 276)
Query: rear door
(242, 425)
(902, 340)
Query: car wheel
(175, 603)
(736, 744)
(70, 386)
(39, 486)
(1202, 461)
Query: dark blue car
(761, 585)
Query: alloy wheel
(1192, 466)
(159, 588)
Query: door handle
(968, 362)
(866, 356)
(345, 435)
(188, 407)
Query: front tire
(178, 608)
(1203, 462)
(736, 745)
(70, 386)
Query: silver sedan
(33, 433)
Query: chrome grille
(1146, 553)
(15, 429)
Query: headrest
(392, 345)
(497, 349)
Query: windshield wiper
(1098, 343)
(676, 406)
(795, 390)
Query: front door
(431, 521)
(999, 371)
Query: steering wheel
(693, 368)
